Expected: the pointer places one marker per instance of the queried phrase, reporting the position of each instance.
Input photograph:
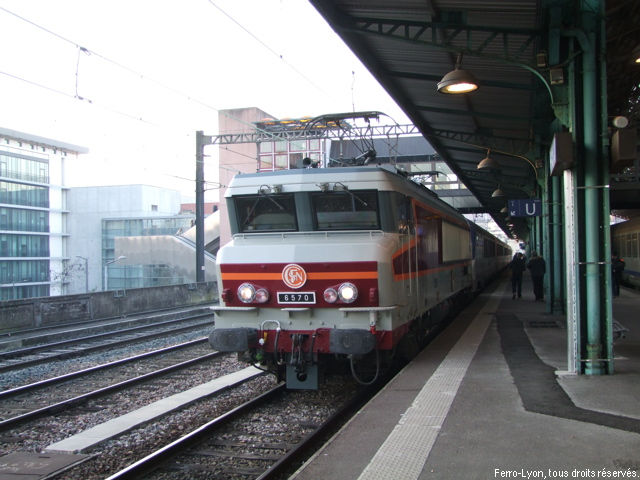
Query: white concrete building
(100, 214)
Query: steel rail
(112, 319)
(93, 348)
(65, 404)
(301, 449)
(156, 459)
(153, 460)
(36, 348)
(78, 373)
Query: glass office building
(33, 235)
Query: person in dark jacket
(617, 267)
(517, 267)
(537, 267)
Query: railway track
(276, 435)
(12, 402)
(259, 439)
(39, 354)
(22, 338)
(126, 447)
(99, 322)
(49, 382)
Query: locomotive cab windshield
(307, 211)
(346, 210)
(266, 213)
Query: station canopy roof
(409, 45)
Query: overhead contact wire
(123, 67)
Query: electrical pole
(200, 143)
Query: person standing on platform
(617, 267)
(537, 267)
(517, 267)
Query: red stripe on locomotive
(320, 276)
(386, 340)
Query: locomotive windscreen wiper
(340, 187)
(267, 190)
(262, 193)
(273, 200)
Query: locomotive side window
(489, 248)
(398, 212)
(266, 213)
(429, 226)
(455, 243)
(346, 210)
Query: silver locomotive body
(352, 263)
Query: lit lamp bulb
(458, 81)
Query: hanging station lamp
(458, 81)
(488, 162)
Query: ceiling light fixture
(636, 54)
(497, 193)
(488, 162)
(457, 80)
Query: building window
(21, 194)
(298, 145)
(282, 162)
(22, 167)
(282, 155)
(16, 245)
(18, 219)
(12, 271)
(266, 162)
(265, 147)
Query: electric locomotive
(353, 264)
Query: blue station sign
(530, 207)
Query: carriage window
(346, 210)
(266, 213)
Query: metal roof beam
(514, 42)
(481, 209)
(474, 137)
(467, 113)
(484, 141)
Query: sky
(133, 81)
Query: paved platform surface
(483, 401)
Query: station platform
(490, 398)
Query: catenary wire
(280, 56)
(142, 76)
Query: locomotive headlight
(330, 295)
(246, 293)
(262, 295)
(347, 292)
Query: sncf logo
(294, 276)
